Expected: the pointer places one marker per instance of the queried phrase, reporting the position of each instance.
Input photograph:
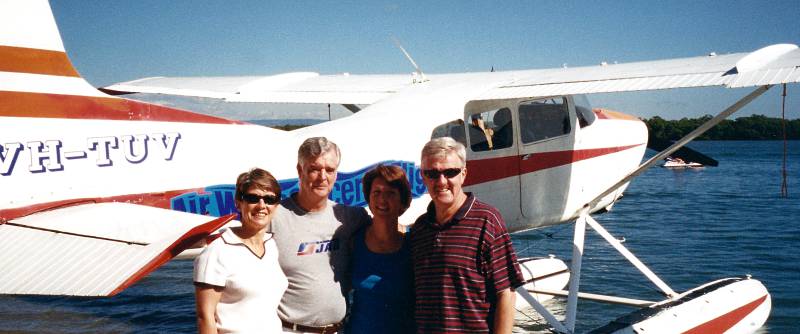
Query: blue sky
(113, 41)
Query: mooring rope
(784, 185)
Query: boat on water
(679, 163)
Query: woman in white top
(238, 281)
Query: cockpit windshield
(584, 110)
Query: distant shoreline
(749, 128)
(755, 127)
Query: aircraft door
(546, 137)
(492, 168)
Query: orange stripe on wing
(154, 199)
(35, 61)
(24, 104)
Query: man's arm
(505, 275)
(504, 312)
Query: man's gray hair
(313, 147)
(442, 146)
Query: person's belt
(332, 328)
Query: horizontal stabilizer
(86, 251)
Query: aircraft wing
(95, 249)
(770, 65)
(773, 64)
(298, 87)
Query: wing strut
(352, 107)
(584, 219)
(683, 141)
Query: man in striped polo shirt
(465, 267)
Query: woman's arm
(206, 298)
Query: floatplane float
(98, 190)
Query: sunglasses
(268, 199)
(434, 174)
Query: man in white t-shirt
(313, 238)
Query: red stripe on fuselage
(24, 104)
(492, 169)
(158, 200)
(727, 320)
(486, 170)
(35, 61)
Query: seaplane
(99, 190)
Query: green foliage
(755, 127)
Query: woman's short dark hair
(258, 178)
(395, 177)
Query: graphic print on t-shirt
(315, 247)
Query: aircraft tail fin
(37, 79)
(32, 55)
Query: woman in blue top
(383, 295)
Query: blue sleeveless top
(383, 293)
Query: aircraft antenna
(419, 76)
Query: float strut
(632, 258)
(575, 272)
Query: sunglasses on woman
(268, 199)
(434, 174)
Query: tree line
(755, 127)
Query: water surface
(690, 227)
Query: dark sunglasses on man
(434, 174)
(253, 199)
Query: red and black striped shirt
(459, 267)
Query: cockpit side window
(453, 129)
(490, 130)
(480, 136)
(544, 119)
(503, 129)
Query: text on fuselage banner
(218, 200)
(51, 156)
